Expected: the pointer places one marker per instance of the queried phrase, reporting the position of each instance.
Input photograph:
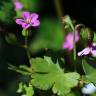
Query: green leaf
(29, 91)
(65, 82)
(90, 70)
(22, 69)
(26, 68)
(26, 90)
(37, 65)
(48, 75)
(71, 94)
(87, 66)
(20, 89)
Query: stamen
(28, 20)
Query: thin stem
(74, 50)
(58, 8)
(26, 48)
(74, 44)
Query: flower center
(28, 20)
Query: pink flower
(18, 5)
(88, 50)
(68, 43)
(28, 20)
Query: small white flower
(88, 89)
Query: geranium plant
(67, 66)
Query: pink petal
(18, 5)
(26, 15)
(25, 25)
(34, 19)
(93, 53)
(35, 23)
(19, 21)
(69, 36)
(68, 41)
(71, 46)
(76, 36)
(85, 51)
(93, 50)
(34, 16)
(65, 45)
(94, 44)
